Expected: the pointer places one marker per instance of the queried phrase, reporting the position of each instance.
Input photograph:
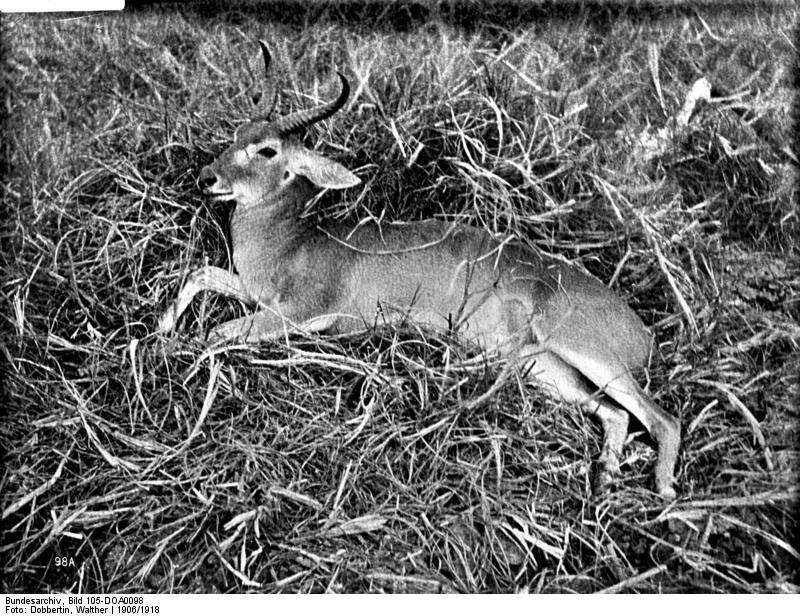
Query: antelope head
(267, 158)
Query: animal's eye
(267, 152)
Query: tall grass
(351, 464)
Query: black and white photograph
(416, 297)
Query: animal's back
(448, 275)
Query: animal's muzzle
(206, 179)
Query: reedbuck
(563, 327)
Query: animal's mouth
(220, 196)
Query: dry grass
(351, 464)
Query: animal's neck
(262, 235)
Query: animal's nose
(207, 178)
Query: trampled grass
(350, 464)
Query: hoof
(667, 493)
(602, 483)
(166, 323)
(607, 473)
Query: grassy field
(136, 462)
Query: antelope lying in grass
(566, 329)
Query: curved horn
(269, 96)
(300, 120)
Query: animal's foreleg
(268, 324)
(208, 278)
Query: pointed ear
(322, 171)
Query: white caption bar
(59, 6)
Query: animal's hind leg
(615, 380)
(562, 381)
(615, 431)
